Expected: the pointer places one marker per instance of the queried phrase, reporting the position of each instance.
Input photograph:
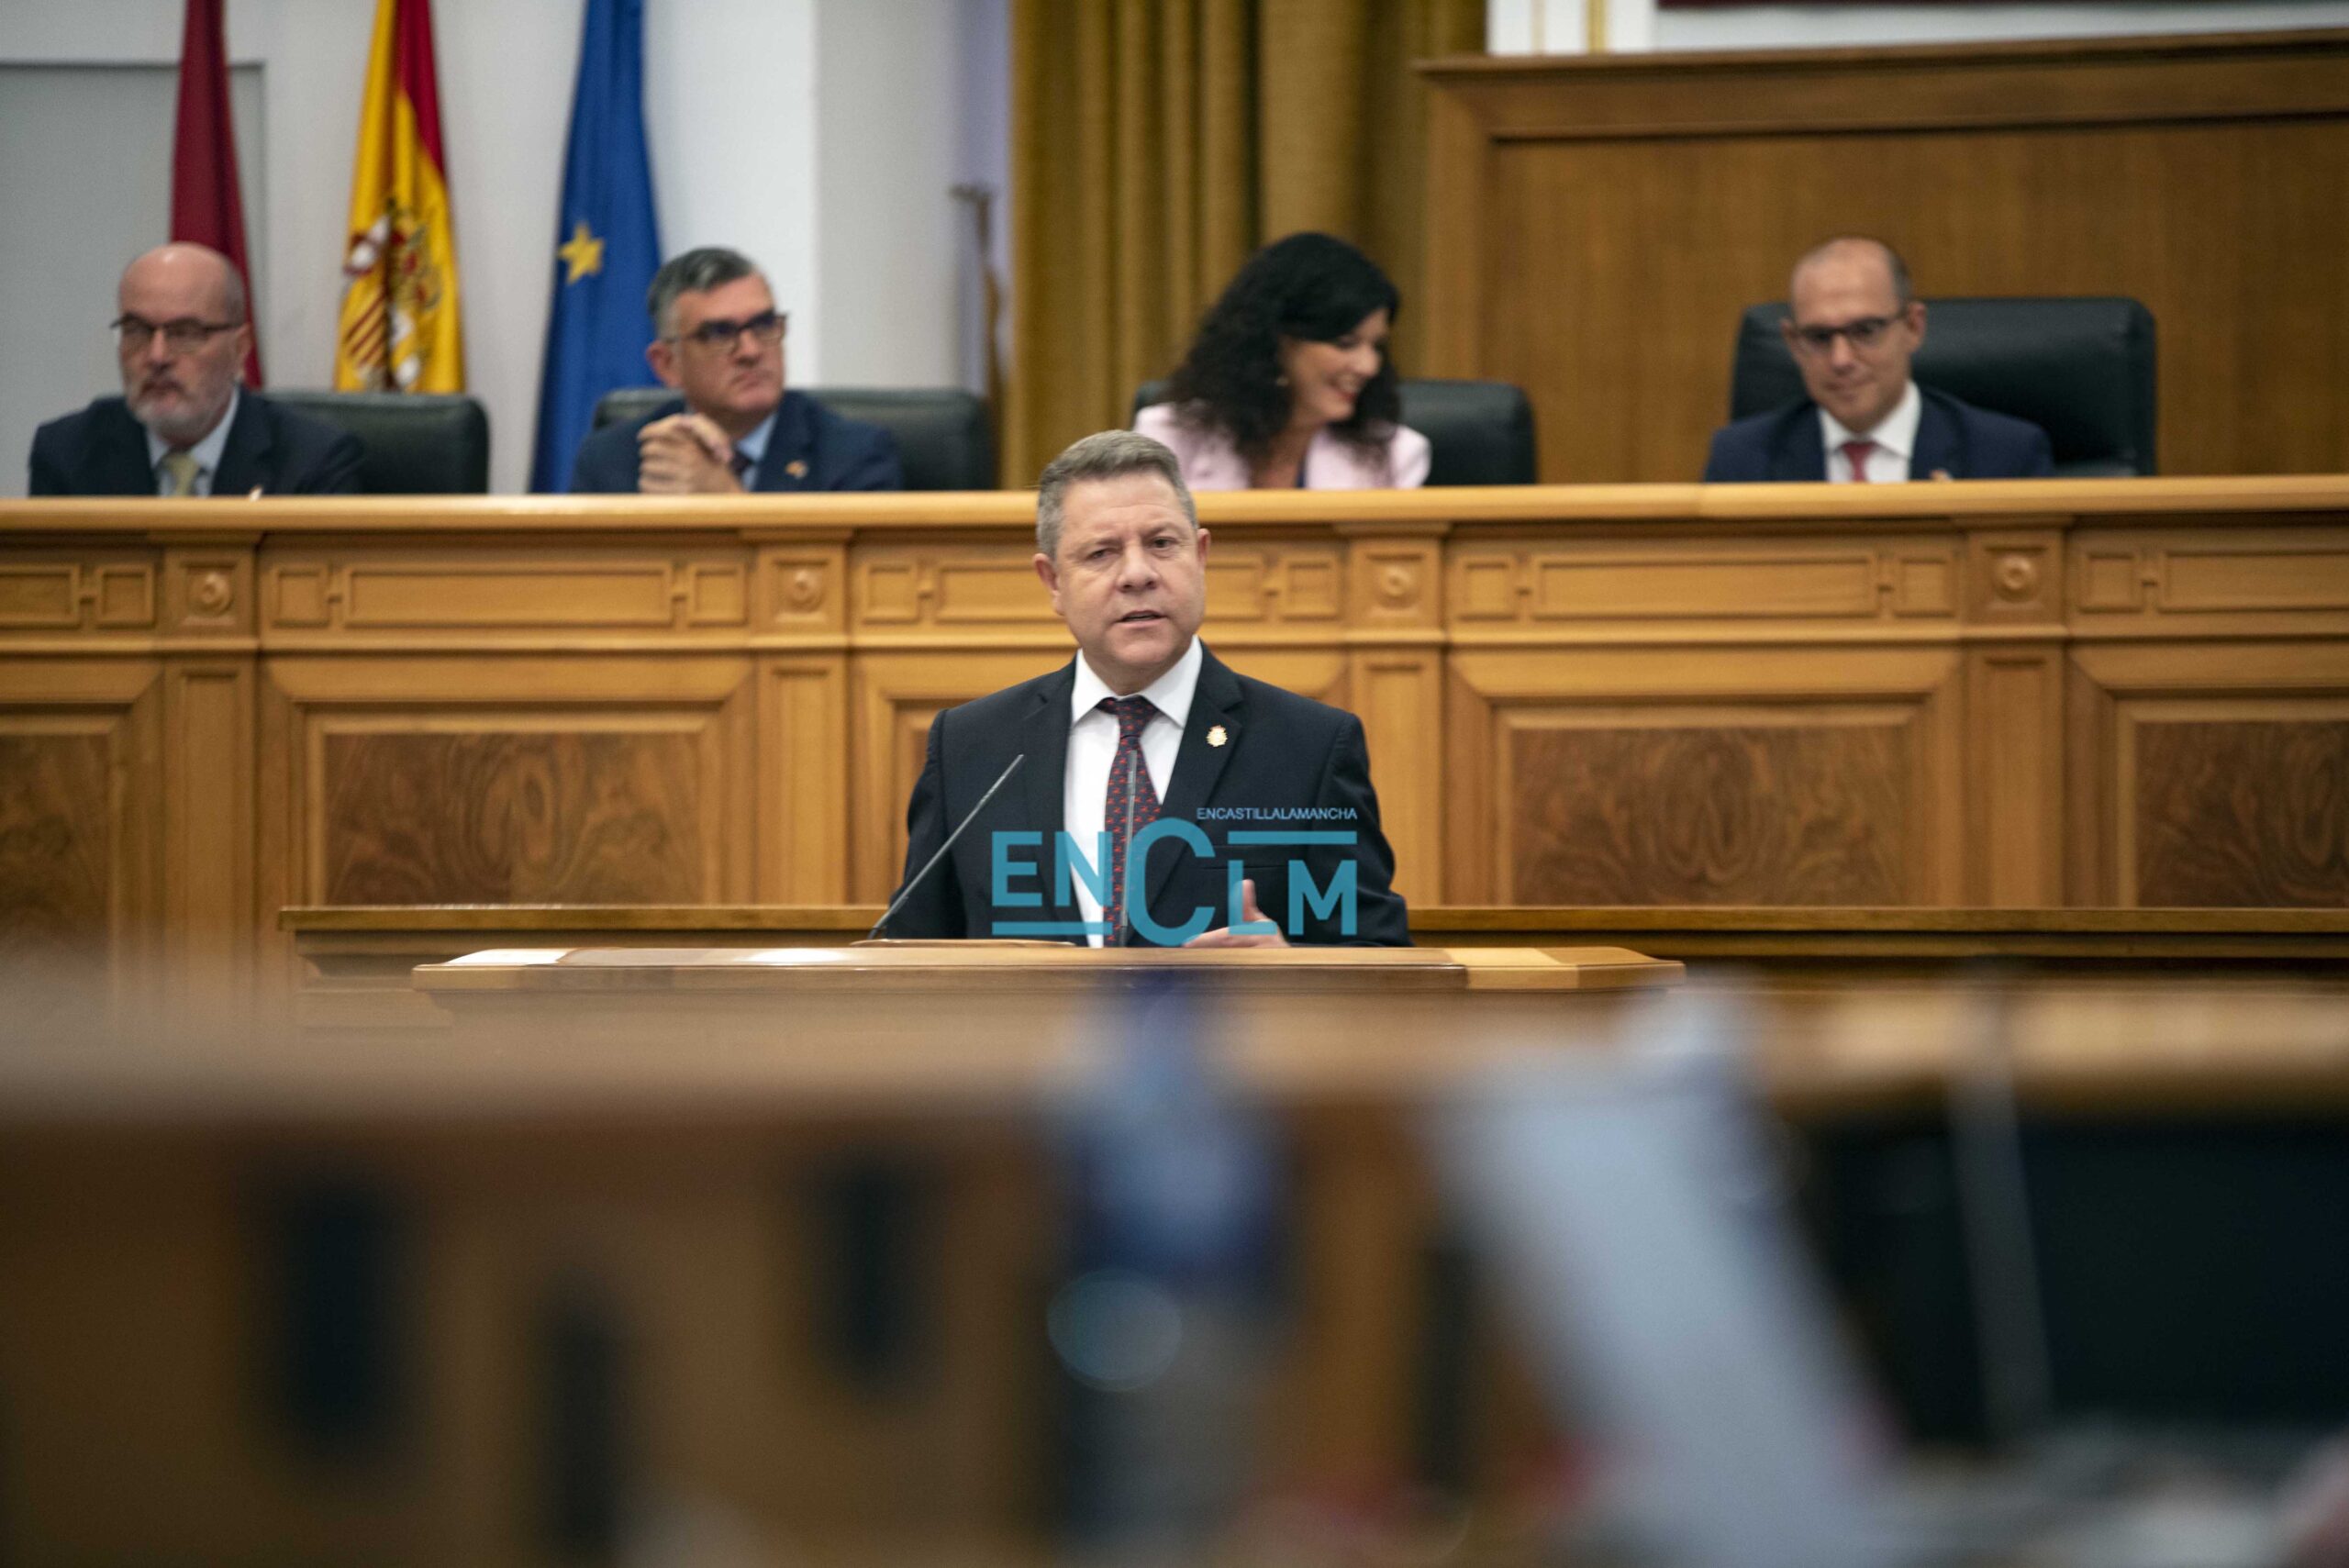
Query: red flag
(206, 207)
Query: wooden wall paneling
(802, 779)
(2016, 592)
(516, 779)
(2014, 776)
(209, 829)
(82, 832)
(2220, 756)
(2209, 178)
(209, 610)
(1456, 175)
(1698, 775)
(573, 594)
(1473, 873)
(1396, 684)
(2091, 790)
(894, 695)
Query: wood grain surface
(2243, 813)
(1711, 816)
(527, 817)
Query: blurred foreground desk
(769, 1235)
(907, 1026)
(2121, 1011)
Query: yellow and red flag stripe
(400, 330)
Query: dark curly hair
(1313, 287)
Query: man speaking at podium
(1234, 813)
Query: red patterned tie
(1130, 806)
(1856, 455)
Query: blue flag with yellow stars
(606, 243)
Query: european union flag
(608, 242)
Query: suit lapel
(1042, 788)
(1216, 702)
(1799, 454)
(119, 455)
(1940, 443)
(244, 460)
(791, 441)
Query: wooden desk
(2136, 1012)
(2094, 695)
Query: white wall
(1558, 26)
(819, 136)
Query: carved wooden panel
(587, 781)
(56, 839)
(81, 877)
(1638, 809)
(514, 815)
(1685, 775)
(377, 592)
(1687, 579)
(102, 594)
(2244, 811)
(2250, 578)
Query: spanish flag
(399, 330)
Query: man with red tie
(1163, 799)
(1853, 325)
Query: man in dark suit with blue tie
(718, 339)
(1853, 323)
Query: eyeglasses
(765, 328)
(185, 335)
(1864, 333)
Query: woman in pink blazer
(1287, 383)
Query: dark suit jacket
(1954, 437)
(1280, 751)
(102, 450)
(835, 453)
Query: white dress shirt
(206, 452)
(1093, 747)
(1894, 437)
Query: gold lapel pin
(797, 468)
(1215, 736)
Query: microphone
(915, 881)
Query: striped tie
(180, 469)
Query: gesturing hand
(1249, 916)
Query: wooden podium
(898, 1027)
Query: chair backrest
(943, 438)
(2081, 370)
(418, 443)
(1479, 432)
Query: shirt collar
(1171, 694)
(206, 452)
(754, 445)
(1896, 433)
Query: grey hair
(1901, 291)
(693, 272)
(1111, 454)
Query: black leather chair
(943, 438)
(1479, 432)
(2081, 370)
(417, 443)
